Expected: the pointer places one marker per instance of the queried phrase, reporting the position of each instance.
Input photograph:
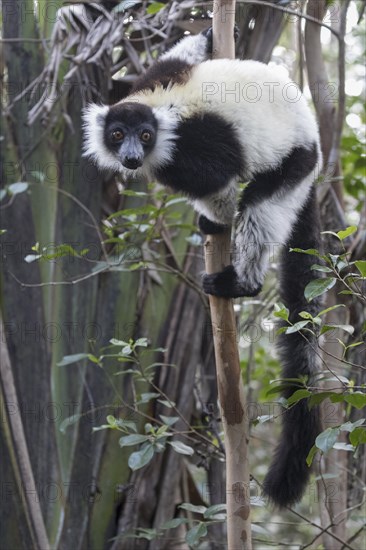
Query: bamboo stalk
(229, 381)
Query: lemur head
(121, 136)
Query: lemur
(201, 127)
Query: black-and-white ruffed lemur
(201, 126)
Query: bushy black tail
(288, 474)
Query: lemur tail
(288, 474)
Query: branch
(229, 380)
(18, 449)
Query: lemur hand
(208, 34)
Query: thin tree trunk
(229, 381)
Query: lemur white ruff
(200, 126)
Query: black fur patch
(131, 118)
(164, 73)
(288, 475)
(130, 113)
(206, 157)
(209, 227)
(227, 284)
(296, 270)
(293, 169)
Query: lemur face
(130, 133)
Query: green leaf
(214, 509)
(337, 397)
(312, 453)
(324, 311)
(130, 192)
(146, 397)
(298, 395)
(296, 327)
(326, 440)
(169, 420)
(116, 342)
(144, 533)
(167, 403)
(142, 342)
(181, 448)
(310, 251)
(133, 439)
(139, 459)
(2, 231)
(318, 286)
(361, 266)
(347, 328)
(350, 426)
(281, 312)
(155, 7)
(196, 533)
(69, 359)
(358, 436)
(322, 268)
(346, 232)
(356, 399)
(306, 315)
(127, 350)
(342, 446)
(193, 508)
(173, 523)
(318, 398)
(16, 188)
(285, 384)
(128, 425)
(354, 345)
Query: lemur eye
(117, 135)
(145, 136)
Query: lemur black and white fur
(201, 126)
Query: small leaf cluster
(145, 220)
(197, 528)
(54, 252)
(155, 438)
(328, 439)
(337, 267)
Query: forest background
(110, 431)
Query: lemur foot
(226, 284)
(210, 228)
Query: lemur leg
(261, 227)
(217, 212)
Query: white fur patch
(263, 228)
(94, 147)
(191, 49)
(219, 207)
(268, 111)
(163, 150)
